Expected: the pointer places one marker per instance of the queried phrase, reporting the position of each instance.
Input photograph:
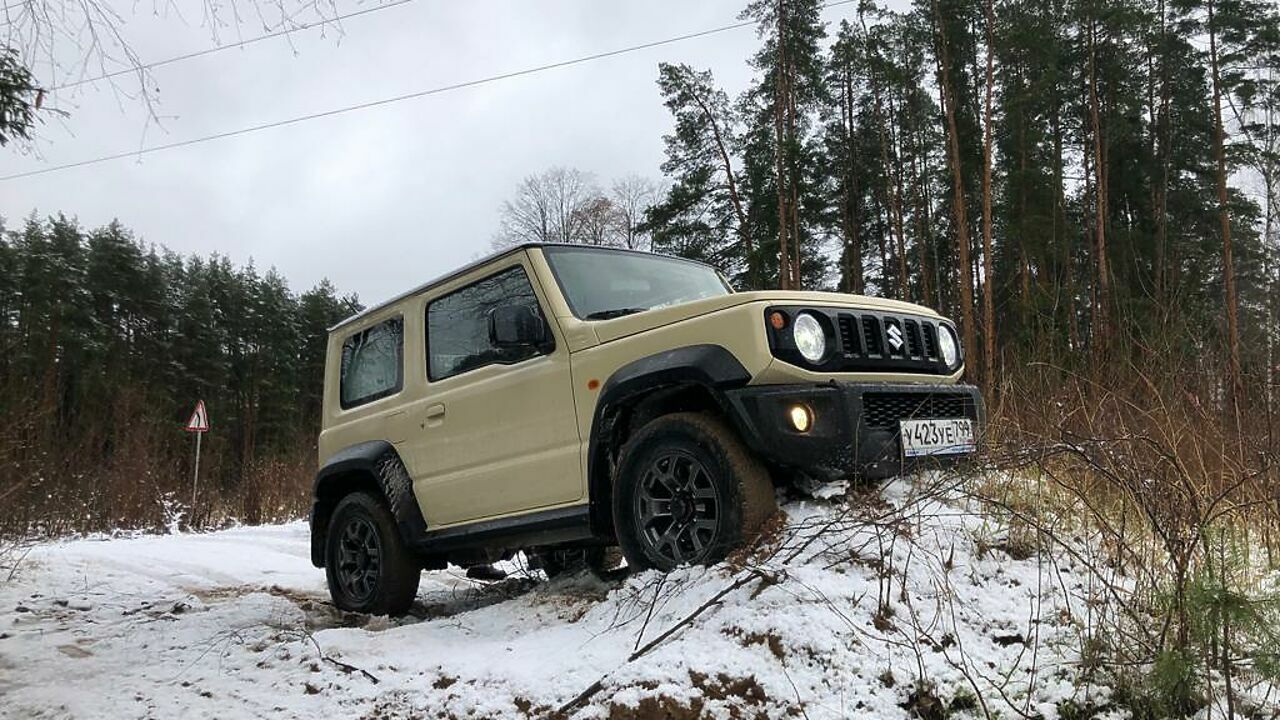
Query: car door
(498, 430)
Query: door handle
(435, 414)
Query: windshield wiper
(615, 313)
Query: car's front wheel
(688, 492)
(368, 567)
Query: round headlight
(948, 345)
(810, 340)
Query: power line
(242, 43)
(395, 99)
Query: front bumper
(855, 425)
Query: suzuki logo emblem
(895, 337)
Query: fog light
(801, 418)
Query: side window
(372, 363)
(458, 325)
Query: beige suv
(559, 400)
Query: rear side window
(373, 363)
(458, 325)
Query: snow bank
(895, 603)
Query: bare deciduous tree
(64, 45)
(631, 196)
(595, 221)
(548, 207)
(566, 205)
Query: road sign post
(198, 424)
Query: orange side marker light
(592, 384)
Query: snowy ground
(898, 603)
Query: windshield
(601, 284)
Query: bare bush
(1181, 496)
(130, 474)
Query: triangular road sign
(199, 421)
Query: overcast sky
(382, 199)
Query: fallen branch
(649, 615)
(344, 667)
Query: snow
(851, 610)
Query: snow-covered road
(853, 613)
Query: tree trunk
(896, 169)
(922, 228)
(780, 150)
(988, 303)
(1102, 301)
(1066, 257)
(1086, 234)
(957, 178)
(852, 240)
(884, 253)
(1234, 380)
(927, 208)
(890, 201)
(1024, 254)
(793, 171)
(1271, 255)
(1160, 142)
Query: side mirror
(514, 326)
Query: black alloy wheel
(687, 492)
(677, 507)
(359, 559)
(367, 564)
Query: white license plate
(952, 436)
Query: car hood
(607, 330)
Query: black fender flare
(375, 466)
(710, 367)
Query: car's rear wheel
(688, 492)
(367, 565)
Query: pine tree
(702, 215)
(318, 309)
(843, 159)
(781, 155)
(20, 98)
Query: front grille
(884, 410)
(866, 341)
(871, 332)
(914, 346)
(849, 345)
(888, 338)
(930, 340)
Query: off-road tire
(394, 582)
(743, 489)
